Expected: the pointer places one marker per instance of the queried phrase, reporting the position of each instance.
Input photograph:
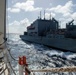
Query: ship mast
(40, 14)
(44, 14)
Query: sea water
(38, 56)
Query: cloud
(50, 4)
(65, 10)
(14, 10)
(74, 15)
(63, 21)
(26, 6)
(8, 17)
(18, 26)
(67, 19)
(13, 1)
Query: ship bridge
(41, 26)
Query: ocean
(38, 56)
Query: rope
(8, 62)
(11, 66)
(3, 71)
(12, 69)
(1, 51)
(3, 43)
(5, 39)
(62, 69)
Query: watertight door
(2, 20)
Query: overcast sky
(20, 13)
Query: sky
(21, 13)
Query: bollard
(20, 66)
(20, 61)
(24, 60)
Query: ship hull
(65, 44)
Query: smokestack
(44, 14)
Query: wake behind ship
(47, 32)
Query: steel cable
(4, 68)
(11, 66)
(12, 56)
(12, 69)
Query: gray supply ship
(47, 32)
